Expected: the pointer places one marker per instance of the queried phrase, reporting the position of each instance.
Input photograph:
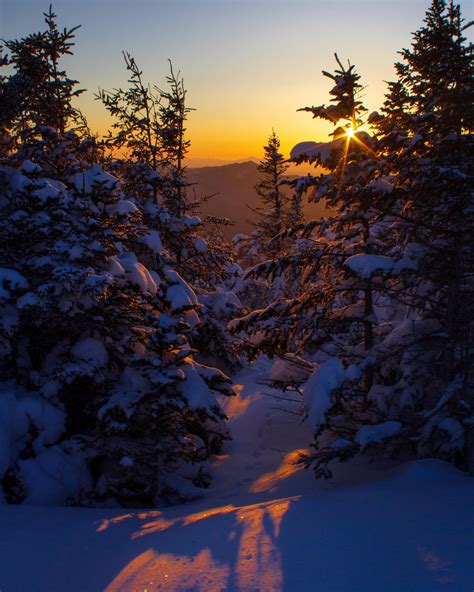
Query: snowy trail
(263, 526)
(259, 464)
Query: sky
(248, 64)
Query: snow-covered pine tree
(413, 264)
(200, 252)
(101, 397)
(269, 220)
(425, 129)
(319, 247)
(271, 214)
(349, 273)
(150, 124)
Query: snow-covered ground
(264, 525)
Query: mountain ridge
(232, 187)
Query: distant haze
(235, 185)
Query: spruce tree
(348, 272)
(39, 92)
(399, 262)
(271, 214)
(107, 401)
(151, 126)
(426, 130)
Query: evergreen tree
(320, 248)
(351, 278)
(395, 261)
(39, 92)
(151, 125)
(426, 131)
(271, 214)
(99, 381)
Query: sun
(350, 131)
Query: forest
(130, 325)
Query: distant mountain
(195, 163)
(234, 185)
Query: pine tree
(98, 372)
(413, 264)
(350, 274)
(426, 130)
(319, 246)
(39, 92)
(151, 125)
(271, 214)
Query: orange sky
(248, 64)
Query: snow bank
(25, 417)
(406, 523)
(53, 477)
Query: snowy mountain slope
(264, 525)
